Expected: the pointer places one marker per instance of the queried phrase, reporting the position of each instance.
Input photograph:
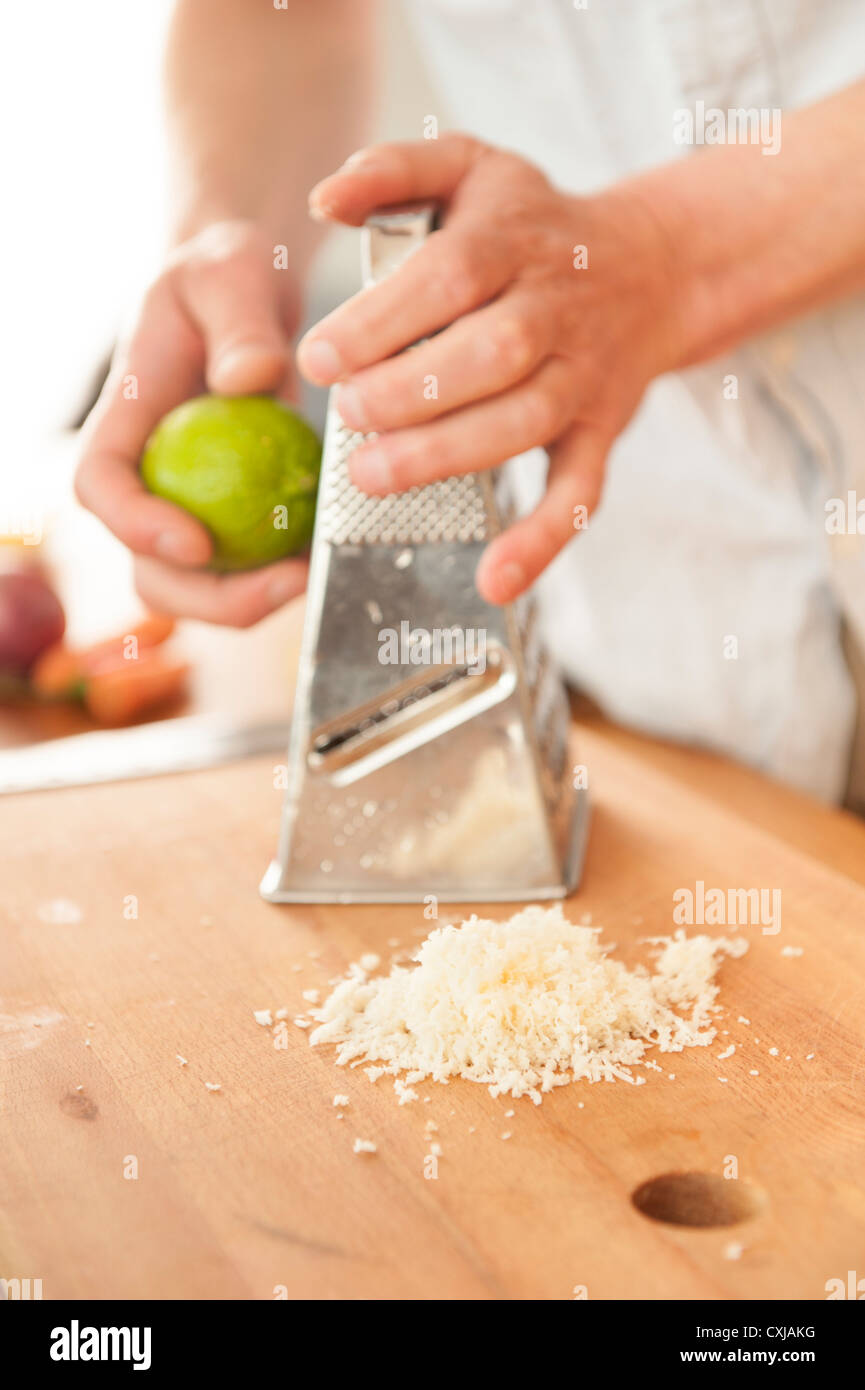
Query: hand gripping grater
(428, 753)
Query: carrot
(149, 632)
(124, 690)
(57, 674)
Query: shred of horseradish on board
(524, 1006)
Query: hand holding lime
(245, 466)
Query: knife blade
(148, 750)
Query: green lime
(247, 467)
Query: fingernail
(371, 470)
(318, 211)
(350, 404)
(511, 578)
(319, 360)
(359, 157)
(171, 545)
(240, 355)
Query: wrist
(198, 218)
(189, 221)
(647, 243)
(732, 275)
(267, 229)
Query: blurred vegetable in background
(31, 619)
(117, 680)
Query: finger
(480, 355)
(395, 173)
(234, 600)
(290, 389)
(515, 559)
(456, 270)
(479, 436)
(234, 295)
(161, 366)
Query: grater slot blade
(416, 711)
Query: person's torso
(712, 525)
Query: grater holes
(452, 510)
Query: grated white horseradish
(404, 1092)
(525, 1005)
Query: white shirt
(713, 521)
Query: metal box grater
(429, 743)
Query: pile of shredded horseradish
(525, 1005)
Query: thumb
(235, 296)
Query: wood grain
(254, 1188)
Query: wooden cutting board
(122, 1175)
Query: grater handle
(389, 237)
